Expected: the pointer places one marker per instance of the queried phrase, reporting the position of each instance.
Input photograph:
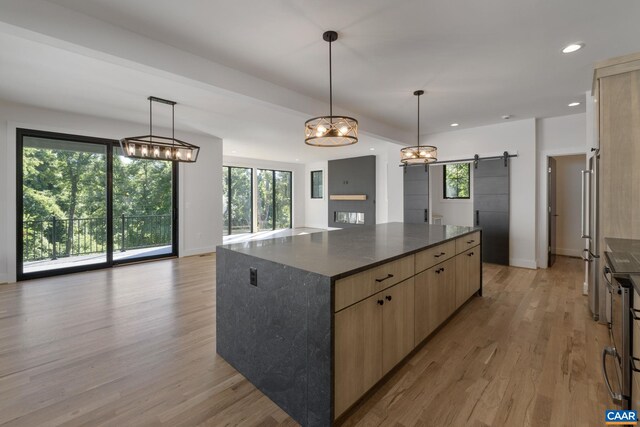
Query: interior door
(551, 211)
(491, 206)
(416, 194)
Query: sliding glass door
(237, 200)
(63, 204)
(80, 205)
(143, 206)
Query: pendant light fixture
(331, 131)
(159, 147)
(418, 154)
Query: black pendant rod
(150, 117)
(330, 84)
(418, 93)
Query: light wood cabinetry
(616, 88)
(359, 286)
(435, 298)
(432, 256)
(466, 242)
(381, 314)
(371, 337)
(397, 324)
(468, 272)
(358, 355)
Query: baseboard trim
(524, 263)
(197, 251)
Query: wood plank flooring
(135, 346)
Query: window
(237, 200)
(317, 191)
(274, 199)
(456, 180)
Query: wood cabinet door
(397, 323)
(468, 271)
(358, 351)
(435, 298)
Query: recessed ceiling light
(297, 160)
(372, 149)
(574, 104)
(454, 125)
(233, 151)
(573, 47)
(506, 117)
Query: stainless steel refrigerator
(591, 234)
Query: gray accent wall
(416, 194)
(355, 175)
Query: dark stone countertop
(339, 253)
(622, 245)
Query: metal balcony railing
(55, 238)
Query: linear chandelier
(331, 131)
(159, 147)
(418, 154)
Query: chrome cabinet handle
(389, 276)
(609, 351)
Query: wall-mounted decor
(348, 197)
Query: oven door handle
(609, 351)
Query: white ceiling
(476, 60)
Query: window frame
(230, 197)
(313, 195)
(444, 182)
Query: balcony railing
(55, 238)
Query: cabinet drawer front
(432, 256)
(362, 285)
(466, 242)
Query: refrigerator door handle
(585, 205)
(587, 258)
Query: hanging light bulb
(418, 154)
(160, 147)
(330, 131)
(189, 154)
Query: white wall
(298, 184)
(200, 198)
(556, 136)
(453, 211)
(516, 137)
(568, 204)
(316, 210)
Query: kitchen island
(314, 321)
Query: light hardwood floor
(135, 345)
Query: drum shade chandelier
(331, 131)
(418, 154)
(159, 147)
